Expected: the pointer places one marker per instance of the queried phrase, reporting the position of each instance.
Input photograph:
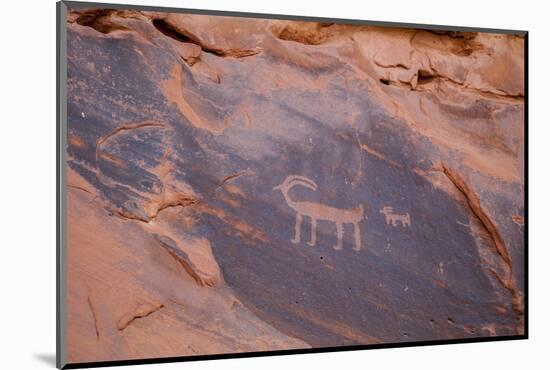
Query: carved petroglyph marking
(520, 221)
(463, 224)
(393, 218)
(441, 267)
(317, 211)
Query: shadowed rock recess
(240, 185)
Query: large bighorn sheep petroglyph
(317, 211)
(392, 217)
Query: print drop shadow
(46, 358)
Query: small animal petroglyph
(393, 218)
(317, 211)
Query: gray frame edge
(61, 211)
(227, 13)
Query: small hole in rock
(424, 77)
(385, 81)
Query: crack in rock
(128, 127)
(183, 259)
(94, 315)
(143, 309)
(181, 35)
(472, 200)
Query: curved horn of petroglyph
(318, 211)
(293, 180)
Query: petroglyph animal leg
(340, 234)
(298, 229)
(357, 233)
(313, 232)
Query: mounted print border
(237, 184)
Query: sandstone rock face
(240, 185)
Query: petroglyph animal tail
(393, 218)
(317, 211)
